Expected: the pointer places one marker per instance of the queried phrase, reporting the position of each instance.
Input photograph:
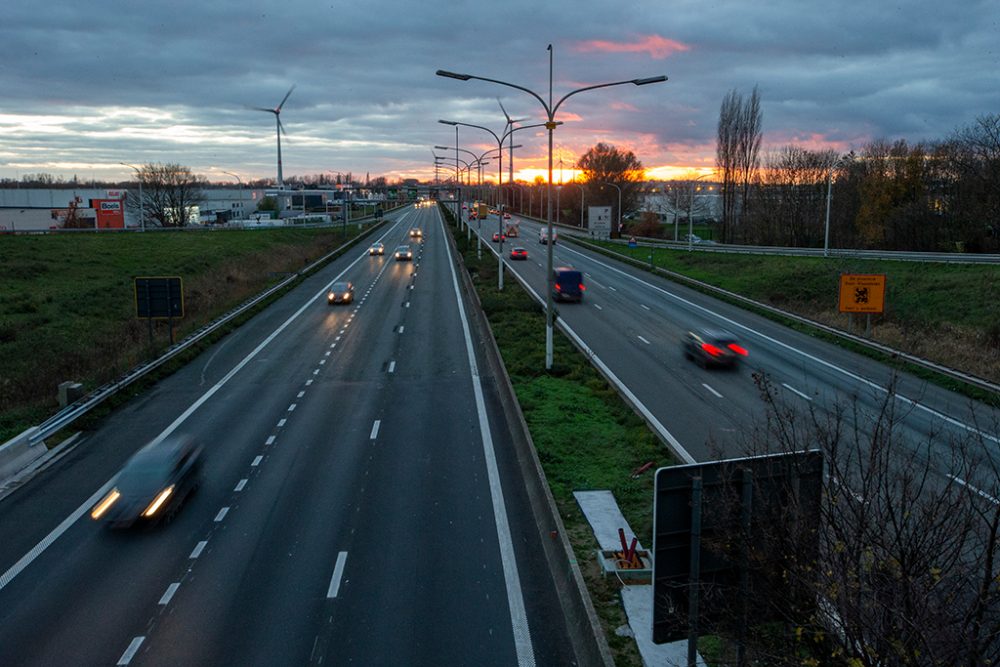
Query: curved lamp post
(619, 203)
(550, 113)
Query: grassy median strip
(67, 310)
(586, 436)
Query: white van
(543, 236)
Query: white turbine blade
(285, 98)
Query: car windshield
(403, 248)
(144, 473)
(340, 287)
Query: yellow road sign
(862, 292)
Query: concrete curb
(582, 624)
(20, 452)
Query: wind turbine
(510, 151)
(279, 128)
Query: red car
(518, 253)
(497, 236)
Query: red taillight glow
(711, 349)
(558, 288)
(737, 349)
(582, 288)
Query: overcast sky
(87, 84)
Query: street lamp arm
(512, 130)
(466, 77)
(637, 82)
(478, 127)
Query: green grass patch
(587, 438)
(67, 304)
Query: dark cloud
(89, 84)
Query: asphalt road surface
(360, 504)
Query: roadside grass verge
(946, 313)
(67, 310)
(587, 438)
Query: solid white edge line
(786, 346)
(130, 652)
(375, 426)
(169, 593)
(57, 532)
(795, 391)
(338, 573)
(978, 491)
(515, 597)
(222, 514)
(198, 548)
(717, 394)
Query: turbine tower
(279, 129)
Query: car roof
(341, 283)
(716, 334)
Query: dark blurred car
(567, 284)
(518, 253)
(340, 292)
(713, 347)
(403, 253)
(153, 484)
(497, 236)
(416, 233)
(377, 248)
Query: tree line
(895, 195)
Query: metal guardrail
(71, 413)
(972, 380)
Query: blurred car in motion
(153, 484)
(376, 248)
(506, 216)
(416, 233)
(518, 253)
(543, 236)
(340, 292)
(567, 284)
(403, 253)
(713, 347)
(497, 236)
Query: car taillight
(582, 288)
(737, 349)
(558, 288)
(711, 349)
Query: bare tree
(789, 198)
(169, 193)
(906, 569)
(748, 146)
(726, 156)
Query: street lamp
(619, 204)
(582, 190)
(690, 219)
(142, 217)
(550, 113)
(240, 181)
(829, 195)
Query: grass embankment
(586, 437)
(947, 313)
(67, 310)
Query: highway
(635, 322)
(360, 504)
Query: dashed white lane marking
(644, 306)
(270, 440)
(322, 361)
(300, 394)
(333, 345)
(169, 593)
(222, 514)
(337, 339)
(717, 394)
(281, 422)
(256, 461)
(291, 408)
(338, 573)
(401, 327)
(392, 366)
(130, 652)
(327, 353)
(795, 391)
(594, 282)
(375, 426)
(407, 304)
(316, 372)
(612, 288)
(643, 340)
(198, 548)
(240, 485)
(598, 307)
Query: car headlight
(105, 504)
(161, 498)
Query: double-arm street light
(550, 113)
(142, 217)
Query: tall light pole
(829, 196)
(142, 216)
(690, 219)
(240, 181)
(550, 113)
(619, 204)
(581, 200)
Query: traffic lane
(831, 364)
(39, 505)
